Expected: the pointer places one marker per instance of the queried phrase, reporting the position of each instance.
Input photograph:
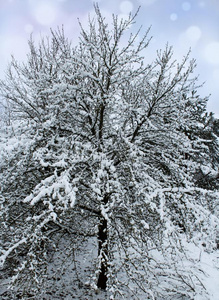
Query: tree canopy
(103, 168)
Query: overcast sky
(183, 24)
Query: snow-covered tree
(99, 170)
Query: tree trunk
(103, 253)
(103, 249)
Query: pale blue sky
(183, 23)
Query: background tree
(104, 163)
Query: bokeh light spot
(186, 6)
(193, 33)
(173, 17)
(211, 53)
(126, 7)
(45, 14)
(147, 2)
(189, 38)
(202, 4)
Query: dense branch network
(109, 152)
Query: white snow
(208, 264)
